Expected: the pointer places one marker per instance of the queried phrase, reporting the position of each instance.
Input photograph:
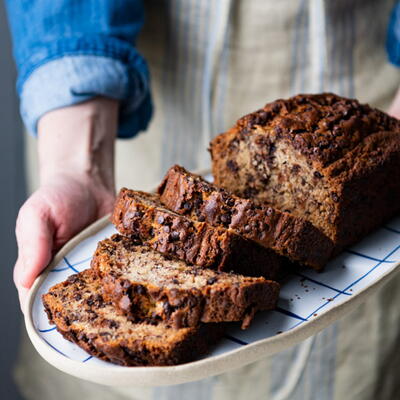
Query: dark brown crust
(217, 301)
(192, 343)
(196, 243)
(368, 181)
(295, 238)
(355, 148)
(324, 127)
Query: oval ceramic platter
(309, 302)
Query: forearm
(79, 141)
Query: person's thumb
(34, 232)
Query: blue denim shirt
(393, 36)
(68, 51)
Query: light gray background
(12, 194)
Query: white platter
(308, 302)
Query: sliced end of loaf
(143, 284)
(77, 308)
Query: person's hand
(76, 184)
(394, 109)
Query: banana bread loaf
(77, 308)
(141, 215)
(325, 158)
(145, 285)
(290, 236)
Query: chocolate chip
(113, 324)
(160, 219)
(212, 280)
(337, 131)
(247, 228)
(230, 202)
(167, 308)
(225, 219)
(265, 180)
(77, 296)
(90, 301)
(318, 175)
(232, 165)
(138, 214)
(140, 289)
(99, 300)
(174, 236)
(73, 278)
(335, 197)
(166, 229)
(296, 168)
(187, 206)
(175, 281)
(276, 108)
(126, 283)
(201, 218)
(270, 211)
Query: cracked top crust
(323, 127)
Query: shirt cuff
(393, 37)
(73, 79)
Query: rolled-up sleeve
(70, 51)
(393, 36)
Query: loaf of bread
(147, 286)
(77, 308)
(141, 215)
(324, 158)
(293, 237)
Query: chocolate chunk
(168, 309)
(187, 206)
(90, 301)
(230, 202)
(77, 296)
(73, 278)
(335, 197)
(174, 236)
(225, 219)
(318, 175)
(232, 165)
(113, 324)
(296, 168)
(140, 289)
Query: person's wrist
(79, 141)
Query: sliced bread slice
(142, 215)
(80, 313)
(145, 285)
(293, 237)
